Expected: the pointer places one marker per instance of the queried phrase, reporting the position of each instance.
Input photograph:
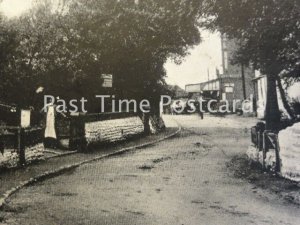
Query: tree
(46, 54)
(30, 37)
(284, 99)
(268, 34)
(133, 39)
(67, 48)
(8, 45)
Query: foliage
(268, 36)
(268, 31)
(66, 46)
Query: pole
(243, 81)
(254, 98)
(208, 74)
(21, 146)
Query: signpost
(107, 80)
(25, 118)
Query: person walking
(199, 108)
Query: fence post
(146, 122)
(277, 151)
(77, 134)
(21, 145)
(265, 149)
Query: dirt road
(183, 180)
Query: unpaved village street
(183, 180)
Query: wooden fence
(264, 140)
(18, 138)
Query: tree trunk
(272, 113)
(146, 122)
(284, 100)
(155, 114)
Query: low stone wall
(32, 138)
(289, 142)
(10, 158)
(257, 156)
(112, 130)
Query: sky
(12, 8)
(205, 57)
(194, 69)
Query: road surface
(179, 181)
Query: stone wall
(33, 140)
(257, 156)
(10, 158)
(289, 142)
(113, 130)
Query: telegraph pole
(243, 81)
(208, 73)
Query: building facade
(234, 83)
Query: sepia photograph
(149, 112)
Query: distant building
(177, 92)
(235, 83)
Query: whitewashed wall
(10, 158)
(289, 141)
(113, 130)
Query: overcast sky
(203, 58)
(13, 8)
(194, 69)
